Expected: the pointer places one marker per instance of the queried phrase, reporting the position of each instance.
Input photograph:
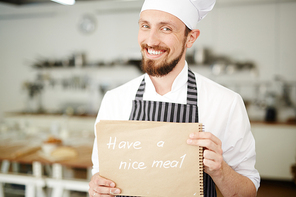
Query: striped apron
(172, 112)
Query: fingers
(105, 182)
(205, 135)
(100, 191)
(212, 150)
(107, 190)
(101, 187)
(206, 140)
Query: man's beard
(152, 68)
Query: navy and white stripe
(191, 89)
(141, 90)
(163, 112)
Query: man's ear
(192, 36)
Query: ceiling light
(65, 2)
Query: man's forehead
(159, 17)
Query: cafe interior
(58, 59)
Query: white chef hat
(188, 11)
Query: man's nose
(153, 38)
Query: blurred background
(57, 62)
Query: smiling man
(163, 39)
(170, 92)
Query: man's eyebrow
(142, 21)
(160, 23)
(166, 23)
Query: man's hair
(187, 30)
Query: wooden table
(37, 180)
(82, 161)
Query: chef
(170, 92)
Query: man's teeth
(153, 52)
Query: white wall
(246, 30)
(27, 34)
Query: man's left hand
(213, 158)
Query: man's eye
(145, 26)
(166, 29)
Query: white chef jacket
(220, 110)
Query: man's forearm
(230, 183)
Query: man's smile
(155, 52)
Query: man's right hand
(99, 186)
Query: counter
(276, 150)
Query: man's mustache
(146, 46)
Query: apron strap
(191, 89)
(141, 90)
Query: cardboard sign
(150, 158)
